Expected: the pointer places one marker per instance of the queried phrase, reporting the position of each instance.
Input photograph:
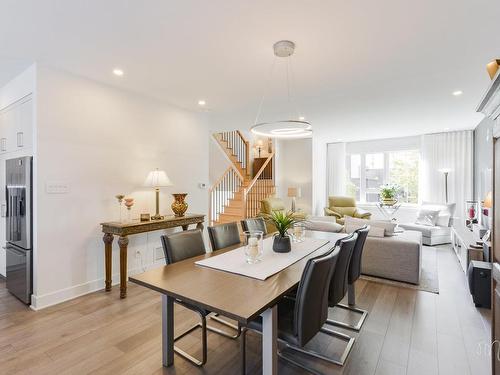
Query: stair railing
(239, 145)
(261, 187)
(222, 191)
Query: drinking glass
(253, 246)
(299, 232)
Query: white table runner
(234, 261)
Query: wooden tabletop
(136, 226)
(238, 297)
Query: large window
(366, 172)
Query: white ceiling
(362, 68)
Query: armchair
(269, 205)
(344, 206)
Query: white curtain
(453, 150)
(336, 181)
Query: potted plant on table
(389, 194)
(283, 222)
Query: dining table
(229, 294)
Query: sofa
(434, 222)
(340, 207)
(389, 253)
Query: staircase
(237, 194)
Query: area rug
(429, 280)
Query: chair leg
(243, 351)
(351, 298)
(187, 356)
(237, 328)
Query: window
(367, 172)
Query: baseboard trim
(54, 298)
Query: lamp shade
(157, 178)
(444, 170)
(488, 201)
(294, 192)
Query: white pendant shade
(157, 178)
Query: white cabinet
(16, 139)
(16, 126)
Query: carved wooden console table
(123, 230)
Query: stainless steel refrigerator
(19, 243)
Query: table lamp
(294, 193)
(157, 179)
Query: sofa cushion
(356, 223)
(427, 217)
(317, 223)
(344, 211)
(426, 230)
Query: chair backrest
(355, 266)
(182, 245)
(338, 283)
(345, 206)
(268, 205)
(254, 224)
(224, 235)
(311, 306)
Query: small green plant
(389, 191)
(282, 221)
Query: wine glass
(129, 202)
(120, 197)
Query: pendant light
(291, 128)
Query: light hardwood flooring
(407, 332)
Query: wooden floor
(407, 332)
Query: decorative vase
(281, 244)
(179, 206)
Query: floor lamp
(445, 171)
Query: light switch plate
(57, 187)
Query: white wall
(101, 142)
(294, 169)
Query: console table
(463, 241)
(123, 230)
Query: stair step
(229, 210)
(228, 218)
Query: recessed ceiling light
(202, 102)
(118, 72)
(457, 93)
(302, 118)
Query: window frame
(362, 174)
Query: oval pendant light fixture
(290, 128)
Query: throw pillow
(373, 232)
(357, 223)
(427, 217)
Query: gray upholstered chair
(177, 247)
(299, 320)
(224, 235)
(221, 236)
(353, 275)
(338, 290)
(254, 224)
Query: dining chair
(353, 275)
(301, 319)
(221, 236)
(254, 224)
(337, 291)
(224, 235)
(179, 246)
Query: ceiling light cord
(268, 83)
